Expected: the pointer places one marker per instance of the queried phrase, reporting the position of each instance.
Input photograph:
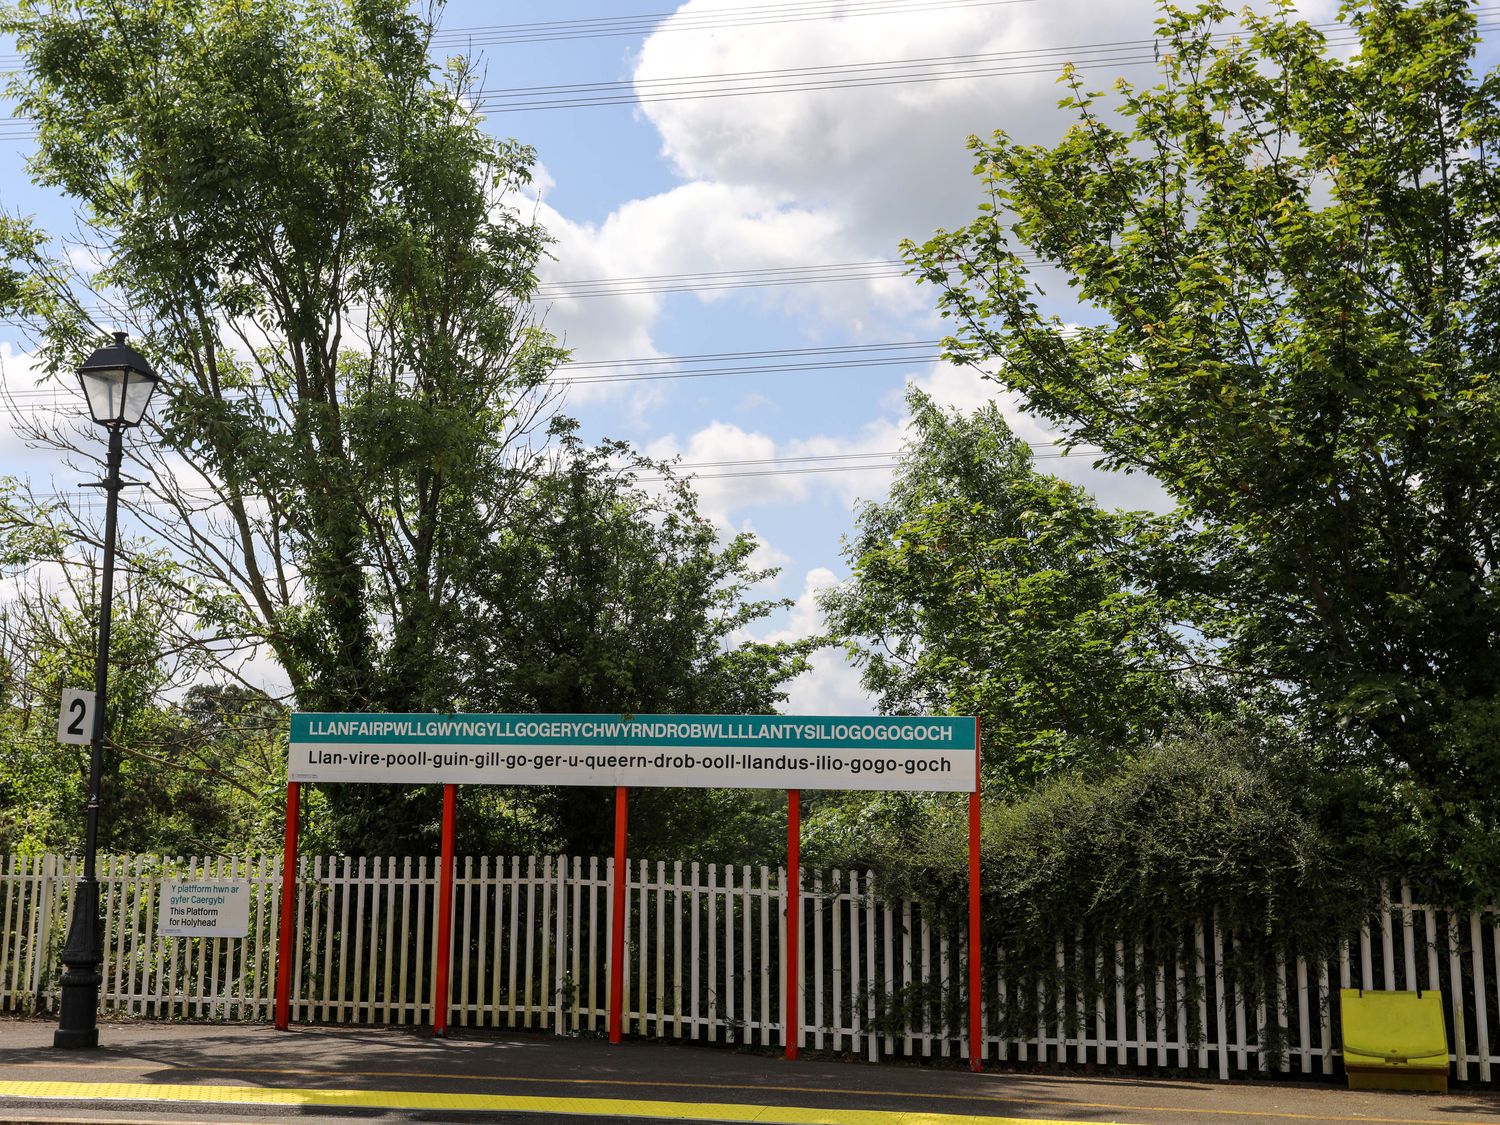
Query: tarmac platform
(215, 1073)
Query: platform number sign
(75, 718)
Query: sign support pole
(976, 996)
(617, 922)
(792, 1015)
(444, 951)
(288, 904)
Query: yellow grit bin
(1394, 1040)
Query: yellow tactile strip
(496, 1103)
(1014, 1096)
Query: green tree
(311, 232)
(1287, 254)
(603, 594)
(984, 587)
(609, 592)
(194, 777)
(221, 769)
(314, 236)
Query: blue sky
(708, 187)
(781, 181)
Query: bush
(1226, 822)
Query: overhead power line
(709, 365)
(854, 464)
(704, 365)
(701, 365)
(642, 23)
(752, 15)
(1114, 54)
(696, 365)
(708, 280)
(747, 467)
(578, 365)
(704, 281)
(945, 68)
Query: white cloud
(890, 159)
(259, 668)
(613, 327)
(542, 181)
(805, 617)
(30, 400)
(755, 401)
(700, 227)
(766, 555)
(720, 495)
(831, 686)
(800, 179)
(86, 259)
(761, 478)
(806, 178)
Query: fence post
(46, 885)
(565, 922)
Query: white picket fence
(705, 946)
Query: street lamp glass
(118, 384)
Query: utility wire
(706, 365)
(750, 15)
(1047, 452)
(752, 369)
(754, 466)
(754, 15)
(773, 81)
(1117, 53)
(29, 400)
(644, 369)
(710, 280)
(841, 349)
(828, 70)
(705, 281)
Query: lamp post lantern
(117, 383)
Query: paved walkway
(198, 1073)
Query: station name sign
(926, 753)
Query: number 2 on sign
(75, 717)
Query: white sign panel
(925, 753)
(204, 908)
(75, 718)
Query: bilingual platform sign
(912, 754)
(204, 908)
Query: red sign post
(976, 1006)
(288, 907)
(617, 919)
(440, 992)
(792, 1016)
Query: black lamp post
(117, 383)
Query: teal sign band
(765, 732)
